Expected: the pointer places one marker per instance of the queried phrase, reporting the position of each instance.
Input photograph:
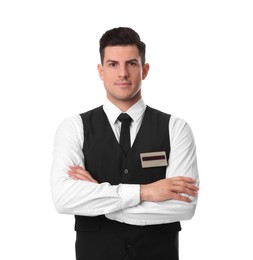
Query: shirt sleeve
(81, 197)
(182, 162)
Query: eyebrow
(131, 60)
(111, 61)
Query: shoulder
(73, 121)
(177, 122)
(91, 112)
(69, 127)
(157, 116)
(180, 128)
(157, 112)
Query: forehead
(117, 53)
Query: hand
(78, 173)
(170, 188)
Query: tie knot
(125, 117)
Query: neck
(124, 105)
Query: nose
(123, 72)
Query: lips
(123, 83)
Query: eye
(112, 64)
(133, 63)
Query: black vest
(105, 160)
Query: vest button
(126, 171)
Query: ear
(145, 70)
(100, 71)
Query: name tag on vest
(155, 159)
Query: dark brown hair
(122, 36)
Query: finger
(80, 170)
(184, 179)
(186, 185)
(189, 185)
(91, 178)
(180, 197)
(82, 177)
(184, 189)
(72, 176)
(77, 169)
(81, 174)
(75, 175)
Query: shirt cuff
(130, 194)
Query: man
(128, 193)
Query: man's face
(122, 73)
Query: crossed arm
(76, 192)
(162, 190)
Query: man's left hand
(78, 173)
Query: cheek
(139, 76)
(109, 74)
(107, 78)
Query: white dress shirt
(119, 202)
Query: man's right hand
(168, 189)
(162, 190)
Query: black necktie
(124, 140)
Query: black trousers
(119, 241)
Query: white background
(201, 59)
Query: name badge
(155, 159)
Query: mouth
(123, 83)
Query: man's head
(122, 36)
(123, 66)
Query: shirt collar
(112, 111)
